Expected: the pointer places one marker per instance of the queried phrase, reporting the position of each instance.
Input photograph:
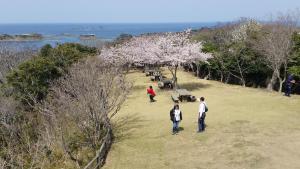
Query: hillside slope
(246, 128)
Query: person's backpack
(206, 109)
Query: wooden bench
(175, 97)
(156, 77)
(152, 78)
(183, 92)
(165, 84)
(152, 72)
(182, 95)
(160, 85)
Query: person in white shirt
(176, 117)
(201, 116)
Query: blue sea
(61, 33)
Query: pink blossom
(169, 49)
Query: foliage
(81, 105)
(235, 60)
(10, 57)
(209, 47)
(171, 49)
(251, 54)
(19, 133)
(294, 64)
(33, 77)
(65, 129)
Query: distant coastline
(101, 30)
(84, 33)
(21, 37)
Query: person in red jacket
(151, 94)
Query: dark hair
(202, 98)
(176, 106)
(150, 87)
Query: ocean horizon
(57, 33)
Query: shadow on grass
(193, 86)
(132, 71)
(139, 87)
(123, 127)
(180, 128)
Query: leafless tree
(16, 137)
(74, 117)
(10, 57)
(83, 102)
(276, 45)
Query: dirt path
(247, 128)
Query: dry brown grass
(247, 128)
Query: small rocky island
(87, 36)
(21, 37)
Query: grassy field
(246, 128)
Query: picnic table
(157, 76)
(182, 95)
(151, 72)
(165, 83)
(183, 92)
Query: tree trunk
(243, 82)
(227, 78)
(175, 77)
(281, 81)
(272, 82)
(222, 76)
(197, 69)
(241, 74)
(209, 74)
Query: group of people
(176, 116)
(176, 113)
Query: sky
(138, 11)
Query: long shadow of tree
(193, 86)
(123, 127)
(139, 87)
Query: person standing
(151, 94)
(202, 113)
(288, 90)
(176, 117)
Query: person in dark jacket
(288, 90)
(176, 117)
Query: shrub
(31, 79)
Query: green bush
(295, 70)
(33, 77)
(294, 65)
(209, 47)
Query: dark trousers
(288, 90)
(151, 98)
(201, 124)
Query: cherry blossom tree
(171, 49)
